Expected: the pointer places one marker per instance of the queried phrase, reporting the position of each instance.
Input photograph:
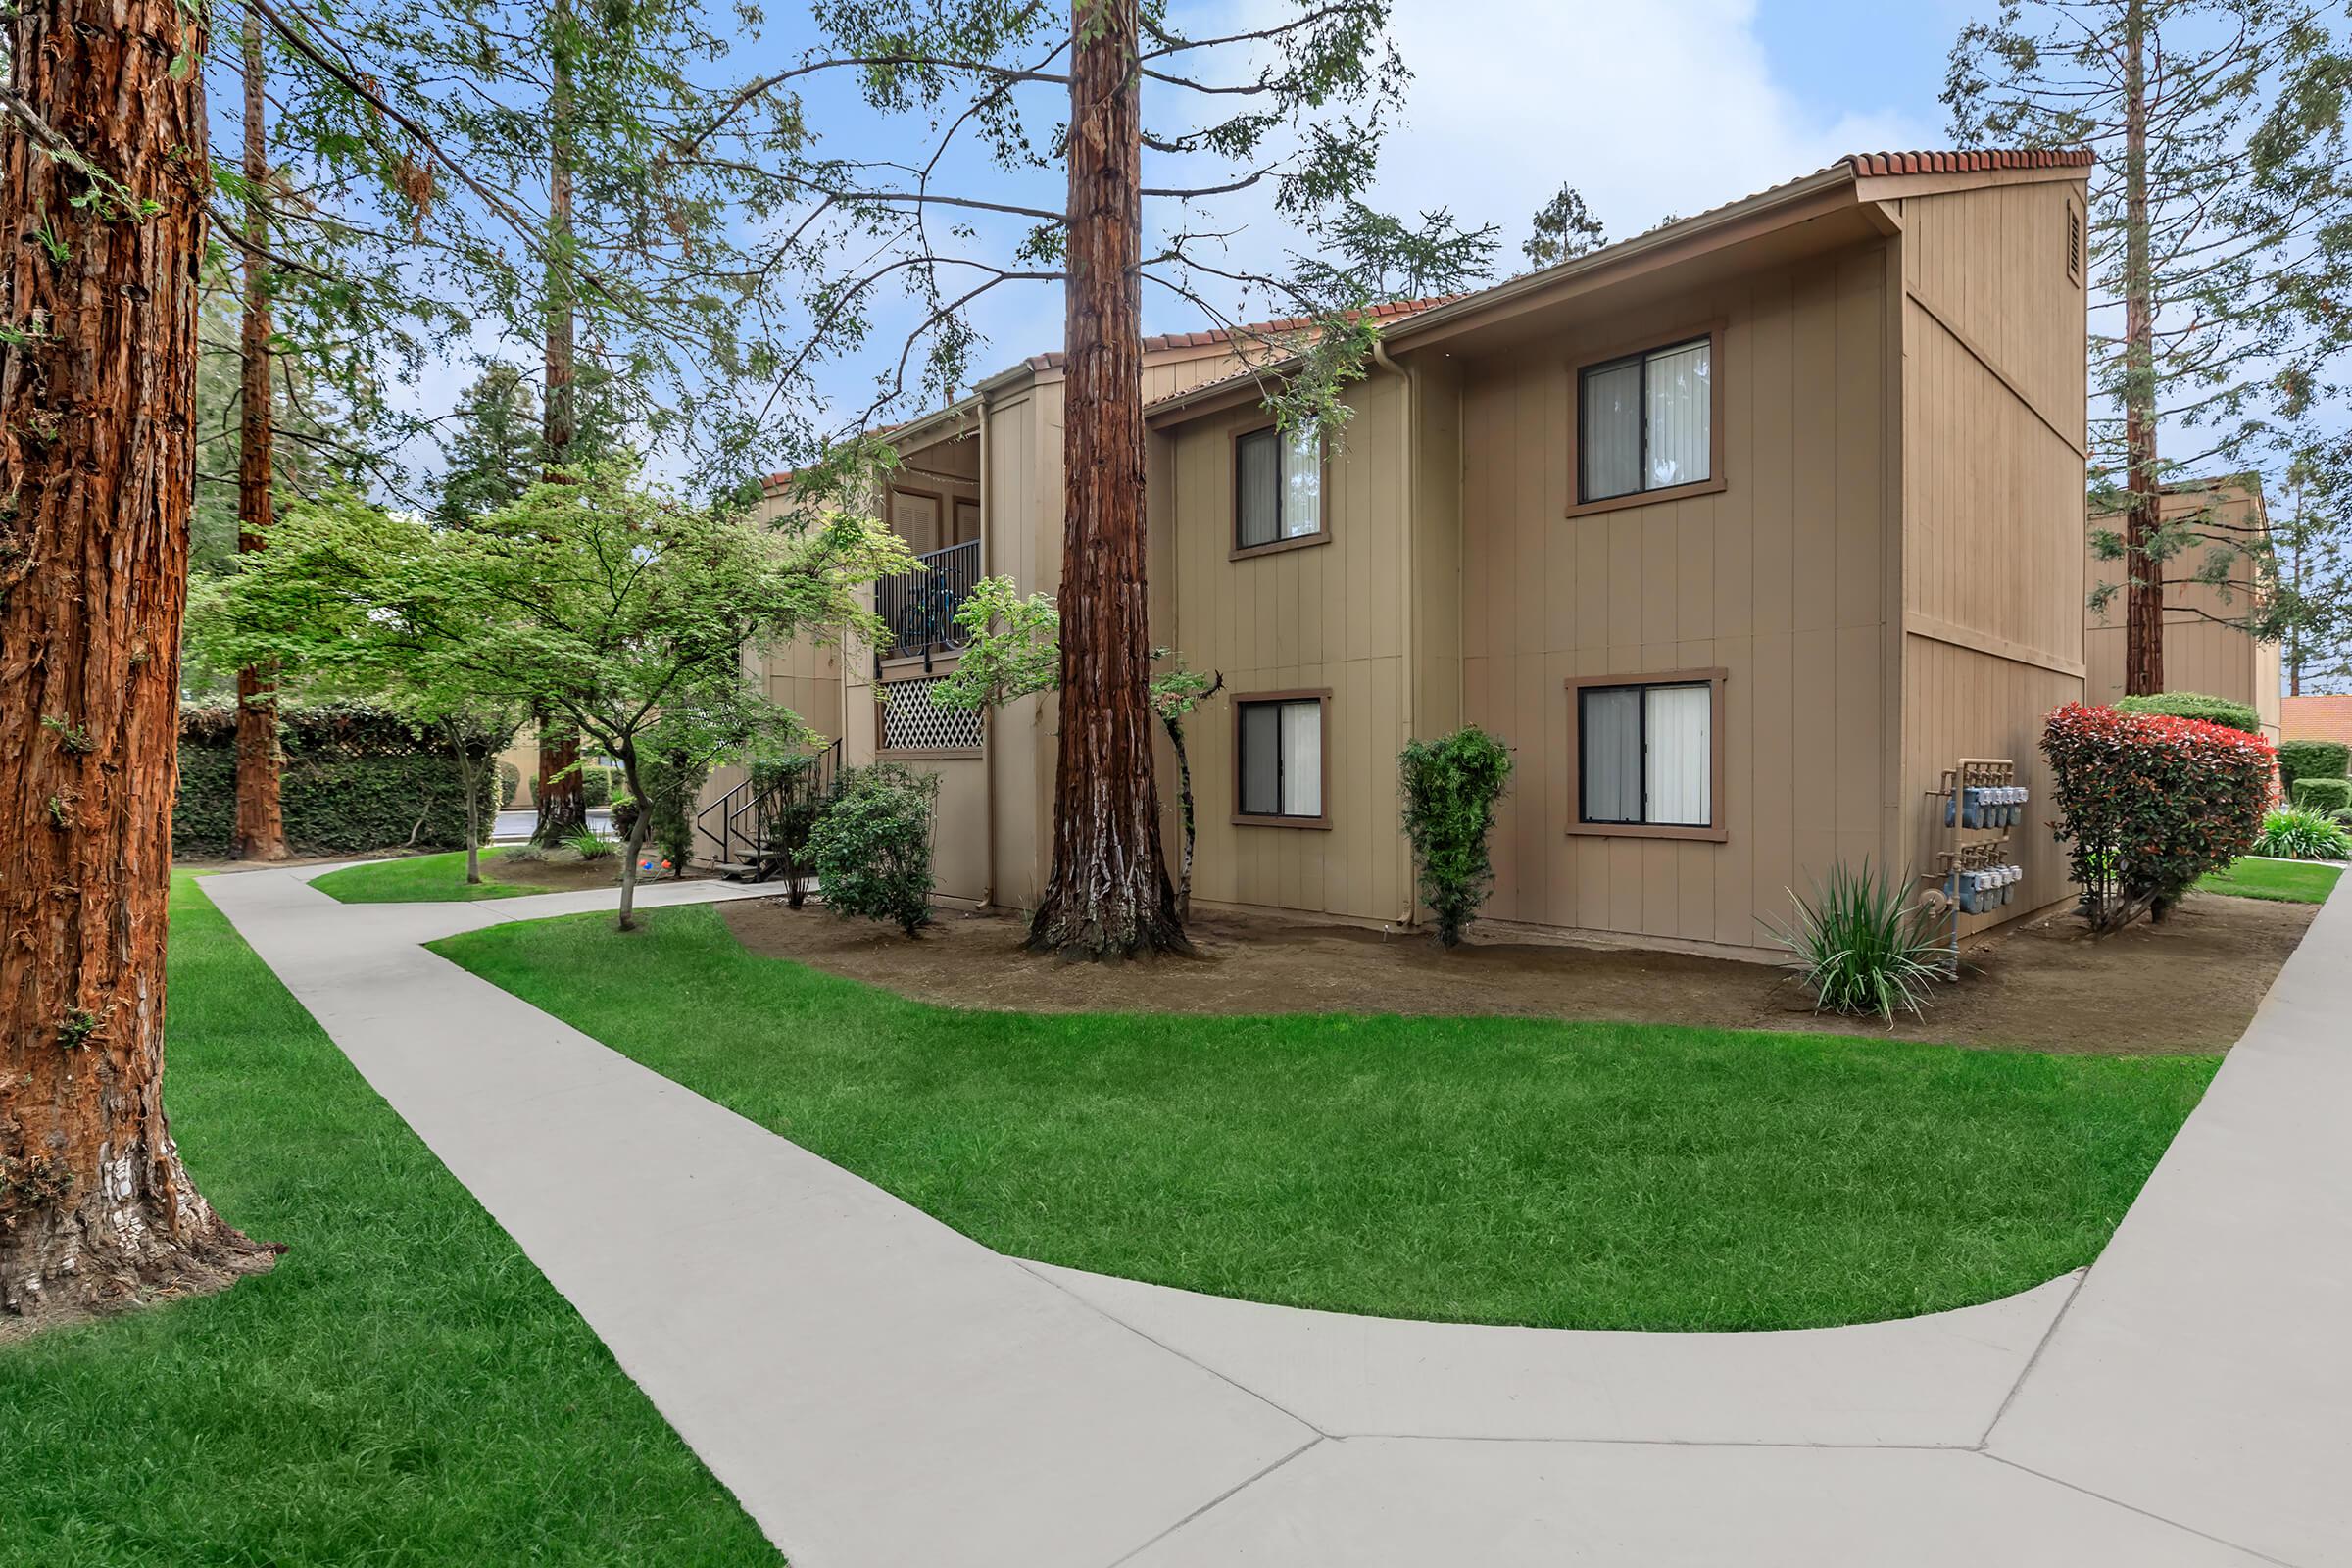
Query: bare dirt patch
(2186, 986)
(563, 871)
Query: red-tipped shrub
(2151, 803)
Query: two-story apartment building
(1738, 533)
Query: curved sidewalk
(880, 1389)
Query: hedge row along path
(877, 1388)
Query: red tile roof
(2316, 718)
(1977, 162)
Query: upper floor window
(1277, 487)
(1647, 421)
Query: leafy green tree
(2219, 245)
(617, 607)
(1012, 649)
(2310, 608)
(1289, 111)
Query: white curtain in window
(1302, 483)
(1681, 416)
(1610, 444)
(1302, 758)
(1678, 771)
(1256, 490)
(1611, 741)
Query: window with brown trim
(1277, 488)
(1281, 770)
(1649, 758)
(1647, 421)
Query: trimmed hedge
(2302, 760)
(2325, 796)
(2150, 803)
(2196, 706)
(356, 780)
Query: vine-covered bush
(2302, 760)
(356, 779)
(2326, 795)
(509, 784)
(2150, 803)
(1449, 788)
(871, 846)
(2198, 706)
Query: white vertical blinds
(1611, 743)
(1681, 414)
(1302, 758)
(1611, 439)
(1679, 771)
(1303, 483)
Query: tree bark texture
(563, 802)
(1107, 894)
(2143, 585)
(261, 827)
(97, 428)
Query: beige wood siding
(1779, 579)
(2201, 653)
(1994, 406)
(1331, 616)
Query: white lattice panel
(913, 723)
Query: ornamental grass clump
(1449, 788)
(2299, 835)
(2147, 804)
(1860, 947)
(590, 844)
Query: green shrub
(2322, 797)
(2148, 803)
(596, 785)
(2302, 760)
(509, 784)
(2292, 835)
(800, 795)
(673, 788)
(356, 779)
(1449, 788)
(2198, 706)
(625, 815)
(871, 846)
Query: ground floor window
(1278, 747)
(1645, 752)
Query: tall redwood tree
(102, 170)
(1108, 891)
(261, 828)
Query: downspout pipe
(1410, 511)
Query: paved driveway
(879, 1389)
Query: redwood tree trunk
(97, 417)
(260, 829)
(2143, 584)
(563, 801)
(1108, 892)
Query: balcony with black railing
(918, 608)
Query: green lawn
(404, 1388)
(2284, 881)
(1483, 1170)
(418, 879)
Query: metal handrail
(745, 811)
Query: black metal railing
(918, 608)
(735, 825)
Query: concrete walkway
(878, 1389)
